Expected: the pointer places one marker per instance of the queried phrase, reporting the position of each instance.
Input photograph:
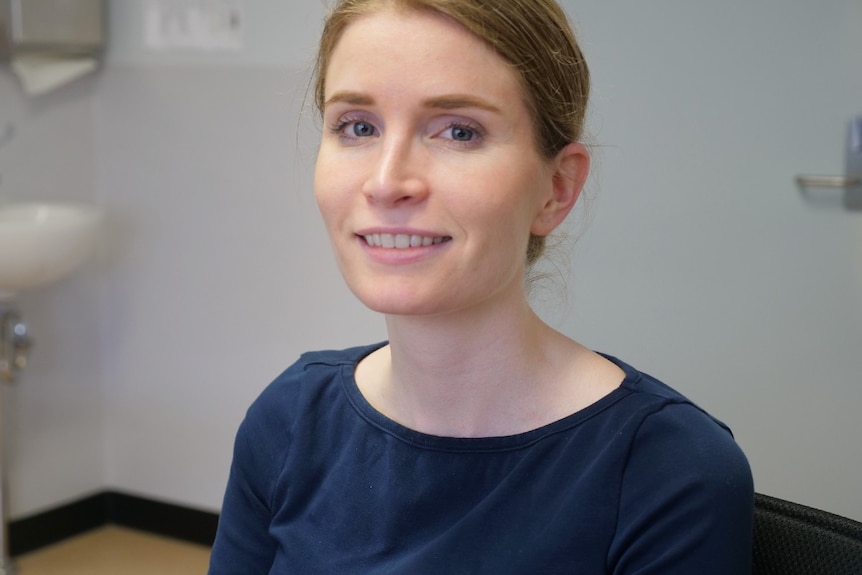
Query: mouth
(402, 241)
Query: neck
(467, 374)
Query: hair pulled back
(534, 36)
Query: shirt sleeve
(243, 544)
(686, 501)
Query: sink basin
(41, 243)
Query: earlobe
(570, 170)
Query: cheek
(332, 213)
(506, 210)
(512, 223)
(326, 193)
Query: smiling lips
(403, 241)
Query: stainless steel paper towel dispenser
(70, 27)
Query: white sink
(41, 243)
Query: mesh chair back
(792, 539)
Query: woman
(477, 439)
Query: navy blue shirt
(641, 482)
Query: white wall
(219, 277)
(702, 264)
(705, 265)
(53, 416)
(211, 278)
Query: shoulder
(312, 381)
(686, 488)
(682, 441)
(686, 502)
(306, 392)
(672, 429)
(312, 374)
(656, 402)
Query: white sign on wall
(202, 25)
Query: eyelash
(338, 127)
(477, 131)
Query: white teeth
(401, 241)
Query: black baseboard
(57, 524)
(30, 533)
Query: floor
(116, 550)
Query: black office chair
(792, 539)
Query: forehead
(421, 50)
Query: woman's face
(428, 177)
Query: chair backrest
(792, 539)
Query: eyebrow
(448, 102)
(348, 97)
(457, 101)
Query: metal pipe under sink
(14, 348)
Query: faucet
(14, 347)
(15, 343)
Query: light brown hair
(534, 36)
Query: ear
(569, 172)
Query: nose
(396, 175)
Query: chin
(396, 306)
(397, 301)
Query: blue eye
(362, 129)
(462, 134)
(353, 129)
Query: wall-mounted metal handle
(809, 181)
(851, 181)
